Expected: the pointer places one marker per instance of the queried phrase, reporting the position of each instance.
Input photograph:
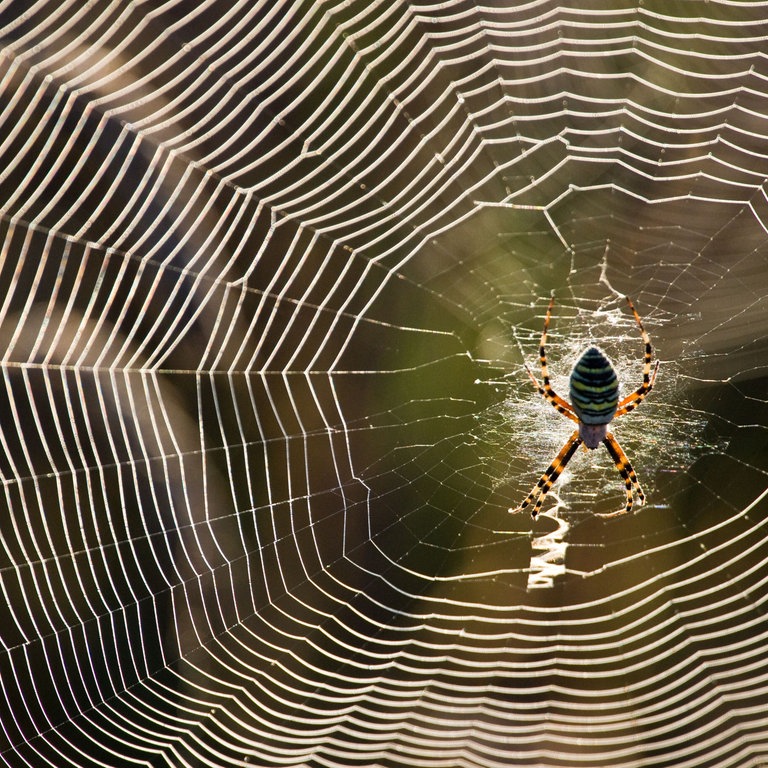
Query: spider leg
(625, 470)
(631, 402)
(545, 388)
(553, 398)
(550, 475)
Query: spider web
(270, 275)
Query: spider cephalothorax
(594, 393)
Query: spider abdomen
(594, 388)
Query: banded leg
(552, 397)
(627, 472)
(550, 475)
(631, 402)
(545, 388)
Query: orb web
(270, 275)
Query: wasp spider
(594, 393)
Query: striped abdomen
(594, 388)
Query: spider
(594, 393)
